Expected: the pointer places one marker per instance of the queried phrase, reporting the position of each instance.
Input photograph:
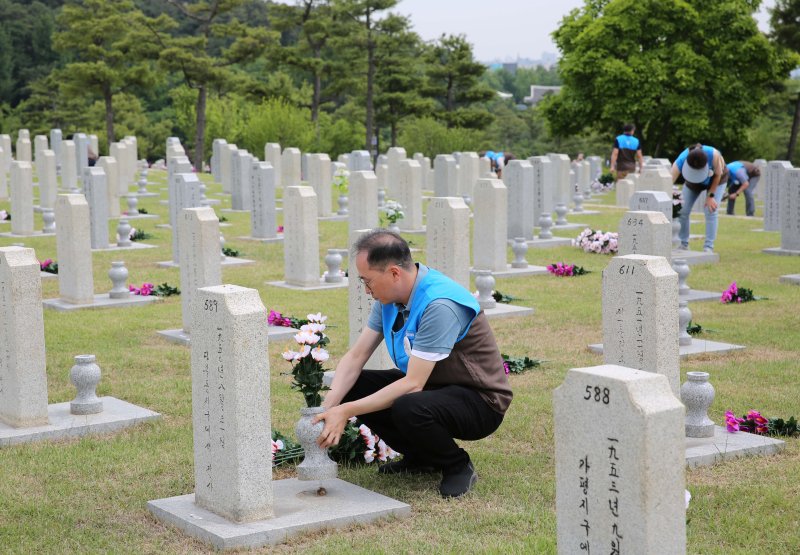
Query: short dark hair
(628, 128)
(697, 157)
(384, 247)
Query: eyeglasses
(368, 282)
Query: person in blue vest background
(743, 177)
(450, 382)
(703, 170)
(626, 151)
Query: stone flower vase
(394, 227)
(316, 464)
(85, 376)
(697, 394)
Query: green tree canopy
(785, 23)
(682, 71)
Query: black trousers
(423, 425)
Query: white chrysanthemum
(307, 338)
(288, 354)
(318, 318)
(303, 352)
(319, 354)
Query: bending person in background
(703, 170)
(625, 153)
(451, 383)
(743, 178)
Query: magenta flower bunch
(275, 318)
(596, 241)
(753, 423)
(145, 290)
(566, 270)
(48, 266)
(736, 294)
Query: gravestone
(23, 134)
(262, 218)
(595, 167)
(200, 261)
(119, 152)
(393, 157)
(175, 166)
(81, 153)
(74, 250)
(561, 190)
(304, 166)
(21, 198)
(445, 176)
(652, 201)
(133, 156)
(360, 161)
(93, 144)
(655, 178)
(448, 238)
(272, 154)
(110, 166)
(231, 403)
(187, 194)
(774, 177)
(23, 376)
(642, 232)
(363, 196)
(640, 315)
(619, 455)
(3, 178)
(491, 209)
(382, 175)
(359, 306)
(624, 192)
(301, 237)
(69, 171)
(216, 155)
(95, 189)
(226, 166)
(790, 212)
(23, 152)
(320, 179)
(519, 180)
(6, 155)
(39, 146)
(241, 196)
(290, 167)
(469, 171)
(48, 184)
(542, 187)
(409, 194)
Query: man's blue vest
(628, 142)
(434, 285)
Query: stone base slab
(333, 218)
(584, 212)
(144, 195)
(549, 243)
(517, 272)
(138, 217)
(697, 295)
(322, 285)
(132, 247)
(726, 446)
(781, 252)
(570, 226)
(696, 257)
(278, 239)
(235, 211)
(297, 508)
(100, 301)
(697, 347)
(421, 231)
(26, 235)
(275, 333)
(762, 230)
(48, 275)
(116, 415)
(794, 279)
(503, 310)
(229, 261)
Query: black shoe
(405, 466)
(457, 483)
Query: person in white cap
(703, 170)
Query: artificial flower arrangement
(677, 202)
(393, 212)
(566, 270)
(138, 235)
(49, 266)
(275, 318)
(147, 289)
(755, 423)
(596, 241)
(518, 365)
(358, 443)
(736, 294)
(603, 183)
(228, 251)
(4, 215)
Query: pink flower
(319, 354)
(275, 318)
(133, 289)
(147, 289)
(280, 229)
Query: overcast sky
(499, 29)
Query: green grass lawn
(89, 495)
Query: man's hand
(733, 195)
(335, 420)
(711, 204)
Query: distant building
(510, 67)
(538, 92)
(504, 95)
